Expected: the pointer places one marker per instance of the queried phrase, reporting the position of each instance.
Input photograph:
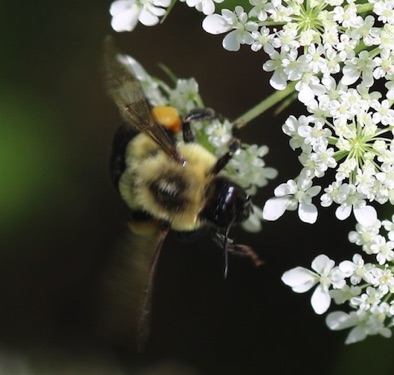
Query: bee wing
(143, 329)
(125, 297)
(124, 87)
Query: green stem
(267, 103)
(364, 8)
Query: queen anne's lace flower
(237, 22)
(338, 56)
(370, 288)
(126, 13)
(363, 323)
(320, 45)
(324, 275)
(290, 196)
(205, 6)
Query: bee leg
(224, 159)
(237, 249)
(245, 251)
(188, 136)
(200, 114)
(195, 115)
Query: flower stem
(267, 103)
(364, 8)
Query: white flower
(359, 66)
(237, 22)
(363, 323)
(253, 223)
(344, 294)
(185, 95)
(205, 6)
(322, 159)
(339, 320)
(364, 235)
(263, 39)
(291, 195)
(372, 297)
(259, 9)
(389, 227)
(355, 269)
(292, 66)
(291, 128)
(247, 167)
(279, 79)
(383, 249)
(126, 13)
(219, 133)
(350, 200)
(385, 11)
(382, 279)
(384, 113)
(301, 280)
(316, 136)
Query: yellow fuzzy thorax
(146, 162)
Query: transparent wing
(126, 90)
(124, 310)
(144, 318)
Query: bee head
(226, 203)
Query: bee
(166, 185)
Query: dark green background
(60, 216)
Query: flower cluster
(126, 13)
(337, 58)
(247, 167)
(366, 287)
(342, 67)
(335, 55)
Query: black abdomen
(169, 192)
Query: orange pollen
(168, 117)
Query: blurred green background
(60, 218)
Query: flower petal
(286, 188)
(338, 320)
(322, 264)
(274, 208)
(306, 95)
(126, 21)
(343, 212)
(307, 212)
(162, 3)
(355, 335)
(320, 300)
(299, 279)
(231, 42)
(350, 75)
(208, 7)
(147, 18)
(253, 223)
(347, 267)
(120, 6)
(365, 215)
(278, 80)
(215, 24)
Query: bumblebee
(165, 184)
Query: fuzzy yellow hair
(146, 162)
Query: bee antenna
(225, 248)
(225, 242)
